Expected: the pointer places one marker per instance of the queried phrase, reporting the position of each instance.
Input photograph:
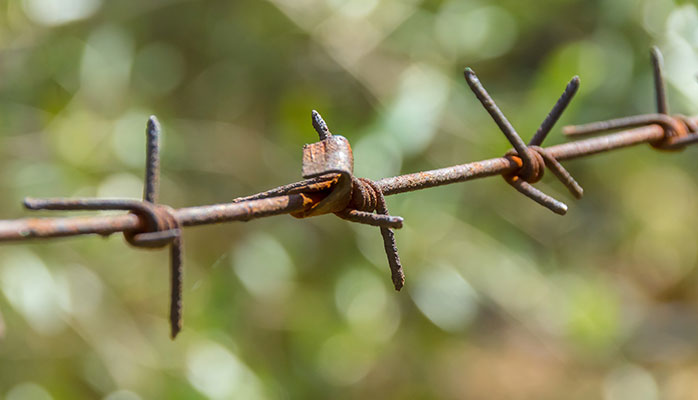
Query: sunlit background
(503, 299)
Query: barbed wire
(331, 187)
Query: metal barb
(659, 88)
(397, 274)
(533, 158)
(367, 218)
(320, 125)
(679, 130)
(176, 282)
(162, 228)
(632, 121)
(555, 113)
(536, 195)
(560, 172)
(497, 115)
(152, 161)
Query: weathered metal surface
(554, 114)
(446, 176)
(331, 155)
(243, 211)
(659, 88)
(151, 189)
(497, 115)
(47, 228)
(332, 188)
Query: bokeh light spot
(32, 291)
(444, 297)
(59, 12)
(263, 266)
(217, 373)
(28, 391)
(362, 299)
(630, 382)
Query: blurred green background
(503, 299)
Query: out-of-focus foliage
(503, 298)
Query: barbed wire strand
(330, 186)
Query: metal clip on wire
(161, 226)
(679, 130)
(531, 159)
(331, 187)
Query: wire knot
(162, 228)
(530, 160)
(331, 187)
(532, 171)
(678, 130)
(364, 196)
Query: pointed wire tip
(656, 57)
(569, 130)
(572, 87)
(398, 283)
(470, 75)
(320, 125)
(655, 52)
(153, 124)
(561, 209)
(556, 112)
(31, 203)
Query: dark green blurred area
(503, 299)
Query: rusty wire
(331, 187)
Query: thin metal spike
(320, 126)
(152, 163)
(555, 113)
(367, 218)
(309, 185)
(157, 238)
(176, 280)
(659, 88)
(562, 174)
(617, 123)
(79, 204)
(497, 115)
(396, 273)
(536, 195)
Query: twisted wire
(331, 187)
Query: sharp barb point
(31, 203)
(151, 187)
(176, 278)
(320, 126)
(153, 124)
(556, 112)
(659, 88)
(498, 117)
(536, 195)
